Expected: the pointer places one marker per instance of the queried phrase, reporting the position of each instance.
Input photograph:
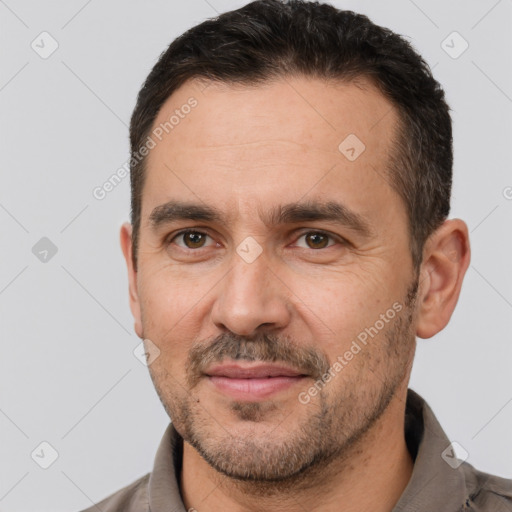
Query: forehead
(231, 146)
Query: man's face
(252, 308)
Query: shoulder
(487, 492)
(133, 497)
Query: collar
(434, 484)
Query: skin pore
(311, 286)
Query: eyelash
(172, 237)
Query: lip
(252, 371)
(252, 382)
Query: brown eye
(317, 240)
(191, 239)
(194, 239)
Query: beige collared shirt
(439, 481)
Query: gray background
(68, 374)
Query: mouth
(252, 382)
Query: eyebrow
(290, 213)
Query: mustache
(264, 347)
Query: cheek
(165, 298)
(167, 312)
(340, 311)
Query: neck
(371, 477)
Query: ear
(126, 246)
(446, 257)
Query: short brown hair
(268, 39)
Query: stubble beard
(334, 427)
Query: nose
(250, 297)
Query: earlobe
(126, 247)
(446, 258)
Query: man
(291, 174)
